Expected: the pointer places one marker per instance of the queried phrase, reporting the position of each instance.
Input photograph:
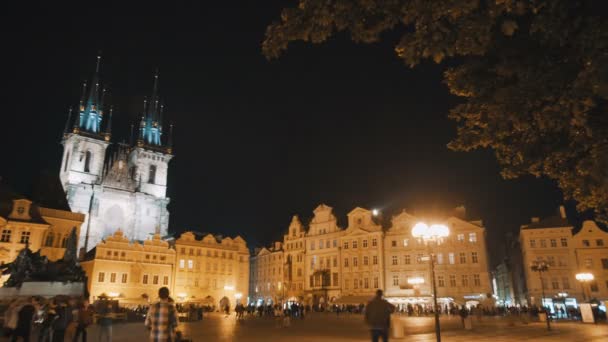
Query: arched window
(152, 174)
(87, 161)
(67, 158)
(50, 237)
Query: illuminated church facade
(116, 185)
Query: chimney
(535, 219)
(562, 211)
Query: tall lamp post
(432, 235)
(541, 266)
(585, 278)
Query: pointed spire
(67, 122)
(131, 135)
(108, 134)
(170, 140)
(152, 112)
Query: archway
(224, 302)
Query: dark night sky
(256, 141)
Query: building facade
(205, 270)
(346, 266)
(23, 223)
(566, 253)
(267, 275)
(117, 186)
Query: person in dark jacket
(378, 317)
(24, 321)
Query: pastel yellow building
(295, 252)
(211, 269)
(591, 253)
(131, 272)
(42, 229)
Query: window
(553, 243)
(335, 243)
(50, 237)
(465, 280)
(112, 277)
(366, 283)
(451, 258)
(190, 264)
(152, 174)
(100, 277)
(564, 242)
(182, 263)
(419, 258)
(476, 280)
(394, 243)
(473, 237)
(155, 280)
(566, 283)
(439, 258)
(474, 258)
(394, 260)
(145, 279)
(355, 284)
(440, 281)
(374, 242)
(407, 259)
(543, 243)
(25, 237)
(589, 263)
(533, 243)
(327, 244)
(345, 244)
(87, 161)
(312, 245)
(599, 242)
(460, 237)
(6, 235)
(395, 280)
(365, 261)
(551, 260)
(375, 282)
(406, 242)
(355, 262)
(452, 280)
(335, 279)
(355, 243)
(375, 260)
(335, 262)
(463, 258)
(586, 243)
(364, 243)
(554, 283)
(123, 278)
(345, 262)
(605, 263)
(321, 244)
(593, 286)
(346, 284)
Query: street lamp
(585, 278)
(541, 266)
(433, 234)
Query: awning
(353, 300)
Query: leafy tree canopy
(533, 75)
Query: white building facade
(117, 186)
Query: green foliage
(533, 75)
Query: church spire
(91, 110)
(108, 134)
(67, 122)
(151, 125)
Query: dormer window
(20, 210)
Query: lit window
(460, 237)
(190, 264)
(472, 237)
(182, 263)
(440, 258)
(406, 242)
(451, 258)
(589, 263)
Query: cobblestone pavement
(327, 327)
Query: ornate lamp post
(585, 278)
(541, 266)
(432, 235)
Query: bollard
(397, 327)
(468, 323)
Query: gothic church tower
(117, 186)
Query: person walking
(24, 321)
(378, 317)
(105, 321)
(161, 320)
(84, 319)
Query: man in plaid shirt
(162, 318)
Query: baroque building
(566, 251)
(115, 185)
(207, 269)
(327, 264)
(23, 223)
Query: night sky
(255, 141)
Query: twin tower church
(117, 185)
